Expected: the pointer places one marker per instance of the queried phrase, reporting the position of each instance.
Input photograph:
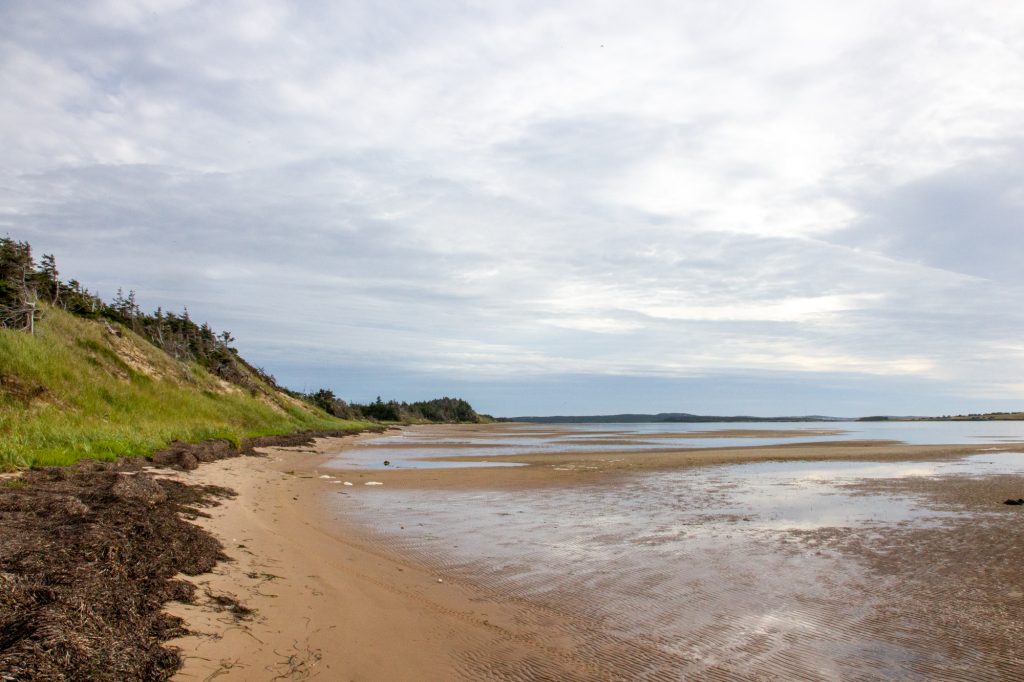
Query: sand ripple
(721, 575)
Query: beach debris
(138, 488)
(1017, 502)
(188, 456)
(225, 602)
(68, 504)
(326, 476)
(185, 460)
(373, 483)
(90, 555)
(348, 482)
(440, 580)
(387, 462)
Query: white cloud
(542, 188)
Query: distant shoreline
(685, 418)
(665, 418)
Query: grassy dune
(76, 390)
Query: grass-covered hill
(83, 377)
(93, 388)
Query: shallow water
(702, 571)
(406, 449)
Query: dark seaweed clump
(188, 456)
(88, 556)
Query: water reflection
(694, 567)
(408, 448)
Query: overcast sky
(552, 207)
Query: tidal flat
(785, 552)
(872, 558)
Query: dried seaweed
(88, 557)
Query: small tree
(49, 278)
(324, 399)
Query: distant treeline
(442, 410)
(661, 418)
(972, 417)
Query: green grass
(74, 391)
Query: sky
(765, 208)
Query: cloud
(965, 219)
(494, 192)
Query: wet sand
(953, 593)
(362, 601)
(327, 602)
(573, 467)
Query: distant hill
(973, 417)
(684, 417)
(663, 417)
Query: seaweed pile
(88, 557)
(188, 456)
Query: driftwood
(22, 316)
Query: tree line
(442, 410)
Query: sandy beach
(323, 597)
(326, 603)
